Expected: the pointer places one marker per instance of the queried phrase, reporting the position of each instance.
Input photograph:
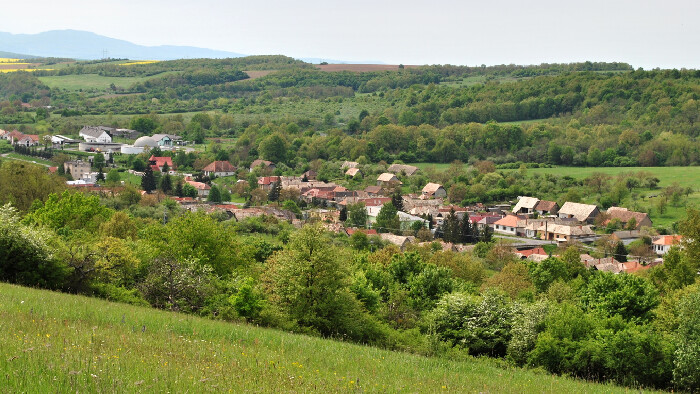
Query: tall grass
(52, 342)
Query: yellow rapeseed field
(139, 62)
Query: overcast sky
(643, 33)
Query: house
(546, 208)
(564, 233)
(625, 216)
(310, 175)
(401, 241)
(606, 264)
(353, 172)
(202, 188)
(267, 165)
(166, 140)
(433, 190)
(28, 140)
(219, 168)
(507, 225)
(525, 205)
(388, 179)
(349, 164)
(96, 134)
(373, 191)
(402, 169)
(157, 163)
(78, 169)
(266, 182)
(536, 254)
(581, 212)
(662, 245)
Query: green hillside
(55, 342)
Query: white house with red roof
(219, 168)
(662, 244)
(157, 163)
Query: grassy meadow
(56, 342)
(90, 81)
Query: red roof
(529, 252)
(668, 240)
(219, 166)
(160, 161)
(508, 221)
(266, 180)
(53, 169)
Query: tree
(630, 296)
(166, 183)
(98, 160)
(100, 175)
(397, 199)
(34, 184)
(148, 181)
(357, 215)
(545, 272)
(309, 281)
(248, 301)
(71, 211)
(143, 124)
(27, 254)
(388, 219)
(113, 177)
(275, 189)
(214, 194)
(343, 214)
(620, 253)
(465, 230)
(179, 190)
(178, 285)
(273, 148)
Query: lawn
(56, 342)
(32, 159)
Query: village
(530, 227)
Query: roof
(398, 240)
(349, 164)
(668, 240)
(526, 202)
(431, 188)
(508, 221)
(387, 177)
(220, 166)
(543, 205)
(373, 189)
(199, 185)
(258, 162)
(625, 215)
(159, 137)
(566, 229)
(580, 211)
(406, 169)
(94, 131)
(375, 202)
(352, 171)
(266, 180)
(33, 137)
(160, 161)
(528, 252)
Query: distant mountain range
(85, 45)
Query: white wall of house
(505, 229)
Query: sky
(644, 33)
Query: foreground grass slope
(54, 342)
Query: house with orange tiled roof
(624, 215)
(219, 168)
(662, 244)
(507, 225)
(157, 163)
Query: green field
(90, 81)
(32, 159)
(56, 342)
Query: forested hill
(596, 114)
